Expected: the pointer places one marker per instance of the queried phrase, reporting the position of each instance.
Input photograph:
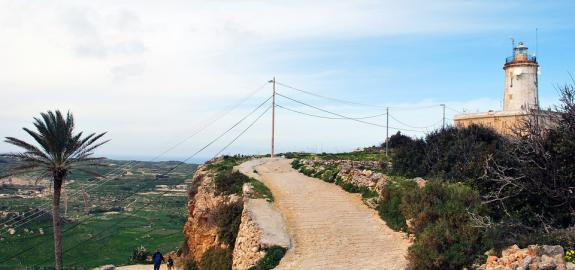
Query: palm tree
(60, 152)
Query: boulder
(547, 263)
(552, 251)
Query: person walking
(157, 258)
(170, 262)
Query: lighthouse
(520, 97)
(521, 81)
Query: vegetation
(271, 259)
(228, 219)
(389, 208)
(216, 259)
(60, 151)
(446, 235)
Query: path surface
(329, 228)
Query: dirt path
(329, 228)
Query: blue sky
(151, 73)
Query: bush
(446, 235)
(271, 259)
(228, 219)
(228, 182)
(296, 164)
(390, 207)
(408, 159)
(216, 259)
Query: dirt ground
(329, 228)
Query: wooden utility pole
(273, 116)
(387, 131)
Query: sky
(164, 78)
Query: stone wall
(261, 228)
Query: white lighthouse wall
(520, 88)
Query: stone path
(329, 228)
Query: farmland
(104, 218)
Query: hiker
(157, 258)
(170, 263)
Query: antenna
(513, 44)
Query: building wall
(520, 91)
(504, 122)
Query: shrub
(390, 207)
(271, 259)
(408, 159)
(216, 259)
(296, 164)
(228, 182)
(446, 236)
(228, 219)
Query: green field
(122, 214)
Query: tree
(60, 152)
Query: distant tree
(60, 151)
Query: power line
(327, 117)
(411, 126)
(353, 102)
(343, 116)
(243, 131)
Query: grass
(229, 182)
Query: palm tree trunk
(56, 223)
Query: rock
(553, 250)
(247, 190)
(534, 250)
(509, 250)
(491, 260)
(547, 263)
(11, 231)
(526, 262)
(570, 266)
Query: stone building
(520, 96)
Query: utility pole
(387, 131)
(443, 126)
(273, 116)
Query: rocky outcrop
(261, 225)
(200, 230)
(533, 257)
(261, 228)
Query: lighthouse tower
(520, 91)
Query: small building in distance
(520, 96)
